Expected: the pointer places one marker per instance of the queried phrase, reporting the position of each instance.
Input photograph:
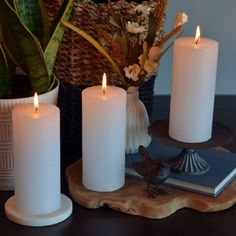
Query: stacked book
(222, 169)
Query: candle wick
(36, 109)
(197, 41)
(104, 91)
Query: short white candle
(36, 138)
(193, 89)
(103, 138)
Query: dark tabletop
(105, 221)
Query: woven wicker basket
(80, 65)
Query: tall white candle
(193, 89)
(36, 138)
(103, 138)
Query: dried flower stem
(168, 36)
(115, 47)
(145, 54)
(169, 46)
(160, 12)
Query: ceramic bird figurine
(154, 172)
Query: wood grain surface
(132, 197)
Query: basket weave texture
(80, 65)
(78, 62)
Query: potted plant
(28, 42)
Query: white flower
(181, 18)
(132, 71)
(134, 27)
(150, 67)
(144, 9)
(151, 63)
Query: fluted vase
(137, 122)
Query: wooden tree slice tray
(132, 198)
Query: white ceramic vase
(6, 142)
(137, 122)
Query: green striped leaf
(33, 15)
(51, 50)
(3, 74)
(7, 70)
(24, 48)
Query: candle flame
(36, 102)
(104, 83)
(198, 34)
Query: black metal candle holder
(189, 161)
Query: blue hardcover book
(222, 169)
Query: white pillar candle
(36, 138)
(103, 138)
(193, 89)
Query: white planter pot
(6, 142)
